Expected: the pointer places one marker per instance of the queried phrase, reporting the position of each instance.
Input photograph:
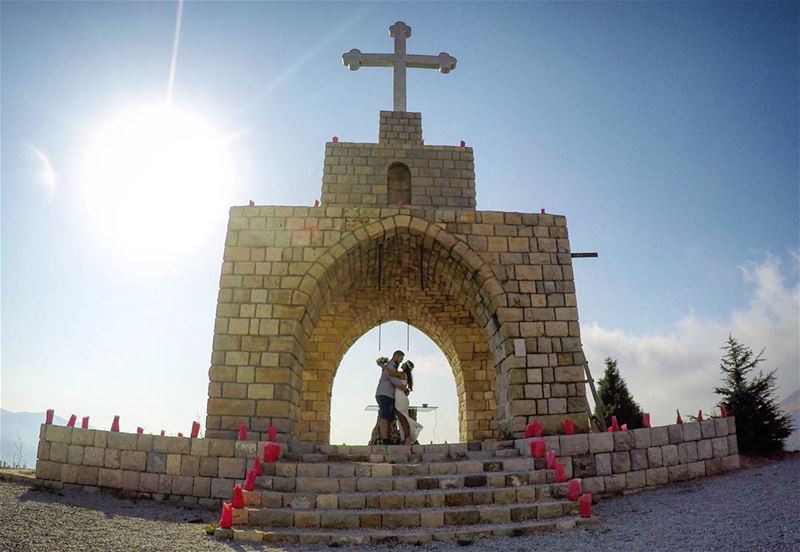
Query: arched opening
(357, 376)
(403, 269)
(398, 184)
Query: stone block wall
(198, 471)
(612, 463)
(356, 174)
(299, 285)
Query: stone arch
(404, 268)
(398, 184)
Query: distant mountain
(19, 435)
(791, 405)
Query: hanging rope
(379, 335)
(421, 273)
(408, 332)
(380, 265)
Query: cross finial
(399, 60)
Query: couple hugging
(392, 396)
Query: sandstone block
(601, 442)
(704, 449)
(83, 437)
(657, 476)
(330, 502)
(635, 480)
(232, 468)
(123, 441)
(639, 459)
(202, 487)
(75, 454)
(641, 438)
(182, 485)
(69, 474)
(156, 462)
(659, 436)
(675, 433)
(615, 483)
(306, 519)
(572, 445)
(733, 445)
(719, 447)
(92, 456)
(691, 432)
(111, 459)
(109, 478)
(148, 482)
(221, 488)
(58, 434)
(430, 518)
(594, 485)
(620, 462)
(174, 464)
(623, 440)
(48, 470)
(696, 469)
(707, 429)
(678, 473)
(687, 452)
(669, 453)
(654, 457)
(130, 480)
(603, 463)
(730, 462)
(87, 475)
(59, 452)
(720, 427)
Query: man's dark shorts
(386, 407)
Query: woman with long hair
(409, 427)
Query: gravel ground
(750, 510)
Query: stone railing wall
(198, 470)
(612, 463)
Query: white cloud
(680, 368)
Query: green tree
(761, 427)
(616, 399)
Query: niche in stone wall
(398, 184)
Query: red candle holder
(614, 423)
(537, 448)
(243, 432)
(699, 415)
(560, 475)
(257, 466)
(646, 419)
(226, 519)
(723, 410)
(237, 500)
(250, 481)
(569, 427)
(551, 459)
(586, 505)
(272, 433)
(195, 429)
(48, 417)
(679, 420)
(574, 489)
(140, 430)
(85, 422)
(72, 419)
(115, 424)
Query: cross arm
(444, 62)
(354, 59)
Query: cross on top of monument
(444, 62)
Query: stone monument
(397, 237)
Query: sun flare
(156, 179)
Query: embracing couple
(392, 395)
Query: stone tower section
(361, 174)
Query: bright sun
(156, 180)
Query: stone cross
(444, 62)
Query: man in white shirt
(384, 394)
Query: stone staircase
(325, 494)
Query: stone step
(437, 498)
(461, 534)
(401, 457)
(377, 518)
(333, 485)
(343, 450)
(287, 468)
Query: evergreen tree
(760, 425)
(616, 399)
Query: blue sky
(667, 133)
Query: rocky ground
(756, 508)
